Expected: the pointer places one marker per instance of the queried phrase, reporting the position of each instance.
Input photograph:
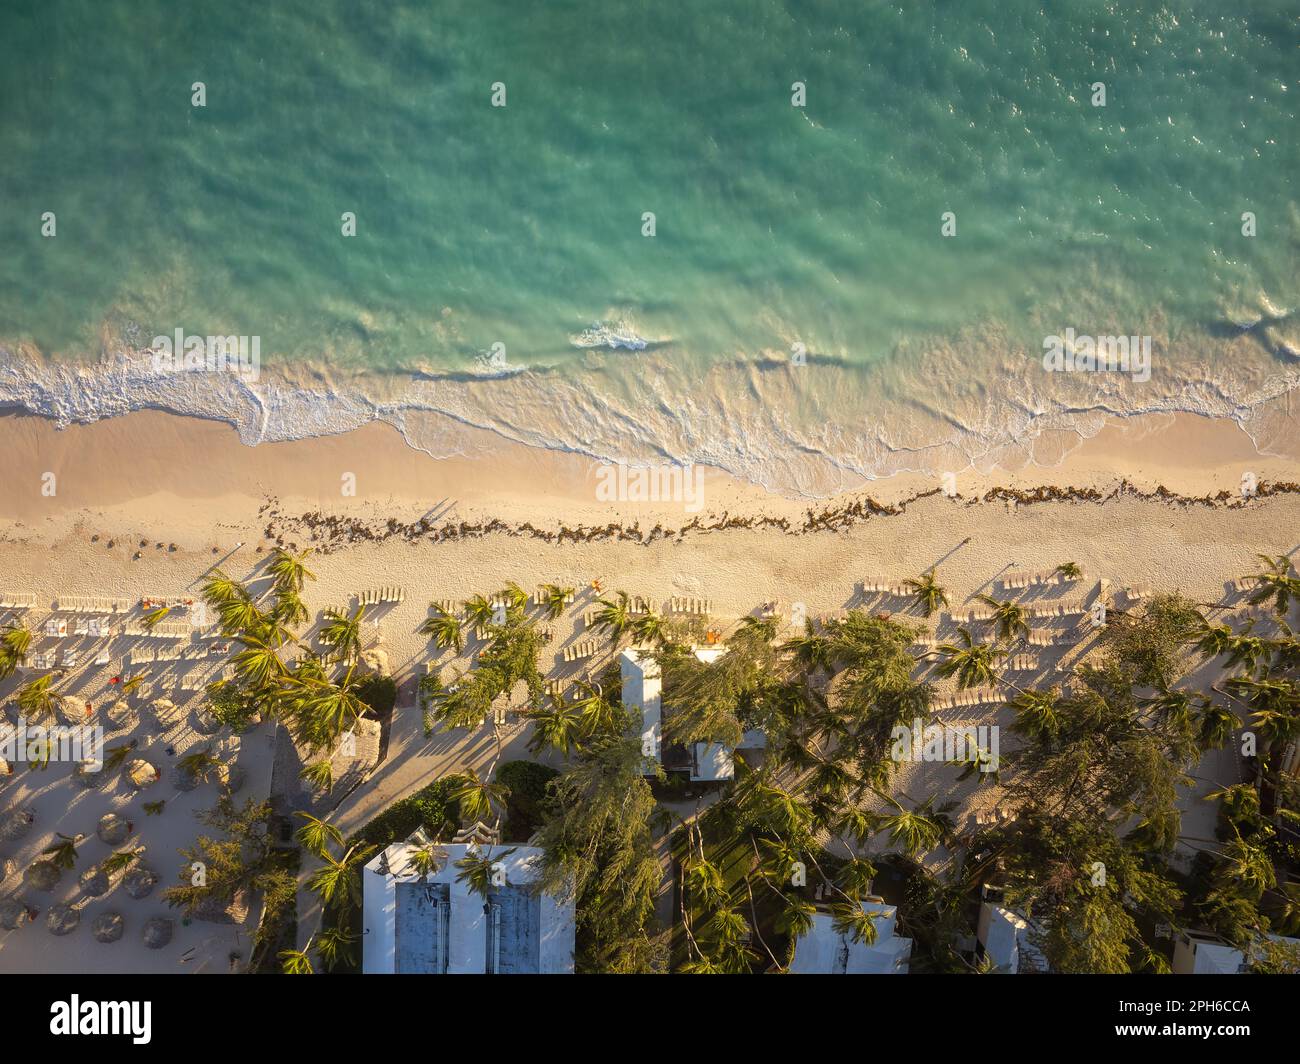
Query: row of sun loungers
(539, 597)
(10, 600)
(1059, 609)
(977, 696)
(878, 586)
(980, 613)
(1049, 639)
(161, 630)
(157, 602)
(697, 606)
(1020, 581)
(382, 594)
(85, 604)
(1239, 587)
(586, 649)
(1022, 663)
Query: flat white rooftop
(824, 951)
(433, 925)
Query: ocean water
(775, 225)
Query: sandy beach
(146, 504)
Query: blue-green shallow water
(522, 224)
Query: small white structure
(642, 693)
(1202, 953)
(1004, 935)
(711, 762)
(436, 926)
(824, 951)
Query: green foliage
(528, 782)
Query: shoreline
(184, 476)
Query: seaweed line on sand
(328, 532)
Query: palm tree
(616, 615)
(318, 835)
(36, 697)
(796, 916)
(1037, 714)
(445, 629)
(289, 609)
(198, 765)
(849, 920)
(598, 713)
(1276, 582)
(320, 774)
(515, 597)
(115, 756)
(343, 633)
(557, 728)
(258, 664)
(1214, 639)
(425, 860)
(649, 629)
(929, 595)
(481, 614)
(153, 618)
(120, 860)
(476, 869)
(1247, 649)
(1216, 727)
(335, 945)
(477, 797)
(922, 828)
(63, 853)
(339, 880)
(296, 961)
(15, 641)
(1011, 617)
(553, 599)
(972, 663)
(289, 570)
(1070, 570)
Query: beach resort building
(1203, 953)
(433, 925)
(824, 951)
(1003, 938)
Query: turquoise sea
(774, 224)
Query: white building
(1202, 953)
(824, 951)
(642, 690)
(437, 926)
(1004, 935)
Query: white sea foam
(809, 432)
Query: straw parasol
(141, 773)
(16, 823)
(140, 881)
(108, 927)
(62, 919)
(12, 913)
(94, 882)
(72, 711)
(89, 773)
(113, 829)
(157, 932)
(165, 712)
(119, 715)
(42, 875)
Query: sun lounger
(639, 605)
(587, 648)
(82, 627)
(69, 659)
(43, 659)
(448, 606)
(1021, 663)
(56, 627)
(697, 606)
(103, 657)
(161, 630)
(1239, 587)
(382, 594)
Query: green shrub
(432, 808)
(379, 693)
(527, 781)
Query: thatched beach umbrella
(89, 773)
(72, 711)
(113, 829)
(141, 773)
(165, 712)
(62, 919)
(16, 823)
(157, 932)
(42, 875)
(119, 716)
(140, 881)
(94, 882)
(12, 913)
(204, 722)
(108, 927)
